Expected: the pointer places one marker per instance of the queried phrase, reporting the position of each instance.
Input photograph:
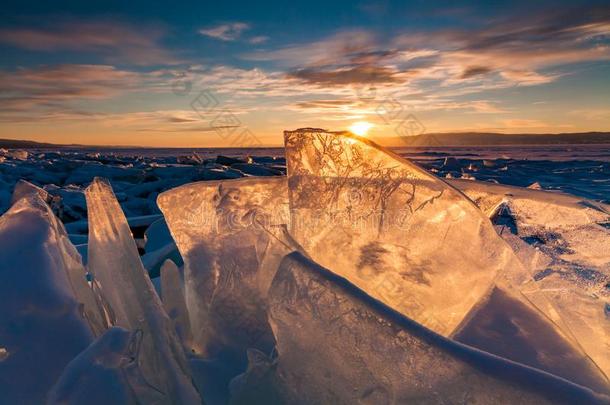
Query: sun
(360, 128)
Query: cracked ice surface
(43, 324)
(115, 264)
(232, 236)
(564, 244)
(396, 231)
(336, 344)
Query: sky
(228, 73)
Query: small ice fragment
(535, 186)
(18, 154)
(24, 188)
(153, 260)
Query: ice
(18, 154)
(255, 169)
(512, 329)
(231, 235)
(105, 373)
(153, 261)
(157, 236)
(86, 172)
(114, 262)
(396, 231)
(172, 293)
(24, 188)
(336, 344)
(44, 313)
(565, 247)
(71, 202)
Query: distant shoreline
(446, 139)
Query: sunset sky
(214, 73)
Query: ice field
(332, 271)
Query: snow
(42, 326)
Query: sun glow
(360, 128)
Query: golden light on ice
(360, 128)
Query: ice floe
(358, 278)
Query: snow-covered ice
(564, 243)
(43, 324)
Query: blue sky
(133, 73)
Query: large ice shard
(43, 321)
(232, 235)
(336, 344)
(393, 229)
(114, 262)
(564, 242)
(105, 373)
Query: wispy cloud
(520, 124)
(114, 41)
(258, 39)
(593, 114)
(519, 50)
(51, 92)
(226, 32)
(67, 82)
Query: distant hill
(23, 144)
(491, 138)
(432, 139)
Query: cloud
(475, 71)
(524, 124)
(114, 41)
(258, 39)
(330, 50)
(341, 76)
(67, 82)
(593, 114)
(475, 106)
(528, 78)
(226, 32)
(519, 50)
(189, 129)
(51, 92)
(519, 46)
(345, 58)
